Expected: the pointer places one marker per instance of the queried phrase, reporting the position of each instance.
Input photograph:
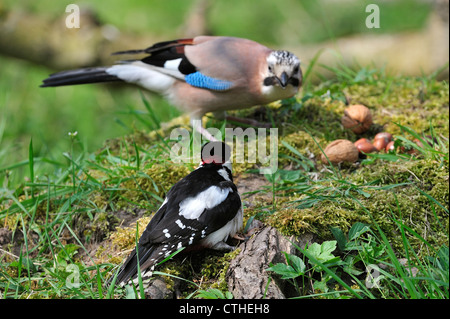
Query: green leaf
(328, 247)
(297, 263)
(340, 237)
(24, 263)
(321, 285)
(357, 230)
(285, 271)
(129, 292)
(288, 176)
(314, 249)
(213, 293)
(323, 252)
(295, 267)
(442, 258)
(67, 252)
(31, 160)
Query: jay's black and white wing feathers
(166, 61)
(201, 209)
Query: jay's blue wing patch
(170, 55)
(200, 80)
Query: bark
(247, 277)
(51, 43)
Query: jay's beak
(283, 80)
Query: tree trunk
(247, 277)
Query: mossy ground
(359, 192)
(130, 176)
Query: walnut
(340, 151)
(357, 118)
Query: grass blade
(31, 165)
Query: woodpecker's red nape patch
(213, 160)
(215, 153)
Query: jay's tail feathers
(80, 76)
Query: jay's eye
(207, 65)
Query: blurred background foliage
(100, 112)
(267, 21)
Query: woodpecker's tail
(80, 76)
(147, 263)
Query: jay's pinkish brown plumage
(203, 74)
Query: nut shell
(340, 151)
(357, 118)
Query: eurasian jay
(203, 74)
(200, 211)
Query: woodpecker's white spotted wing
(197, 206)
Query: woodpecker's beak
(283, 80)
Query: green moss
(156, 179)
(129, 189)
(318, 219)
(387, 206)
(178, 269)
(124, 146)
(412, 204)
(125, 237)
(214, 269)
(125, 193)
(406, 101)
(412, 193)
(303, 142)
(98, 227)
(415, 103)
(319, 116)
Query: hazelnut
(387, 136)
(381, 140)
(418, 142)
(414, 151)
(380, 143)
(357, 117)
(361, 140)
(340, 151)
(390, 147)
(363, 145)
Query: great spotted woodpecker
(202, 210)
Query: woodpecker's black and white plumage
(201, 210)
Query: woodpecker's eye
(270, 69)
(296, 69)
